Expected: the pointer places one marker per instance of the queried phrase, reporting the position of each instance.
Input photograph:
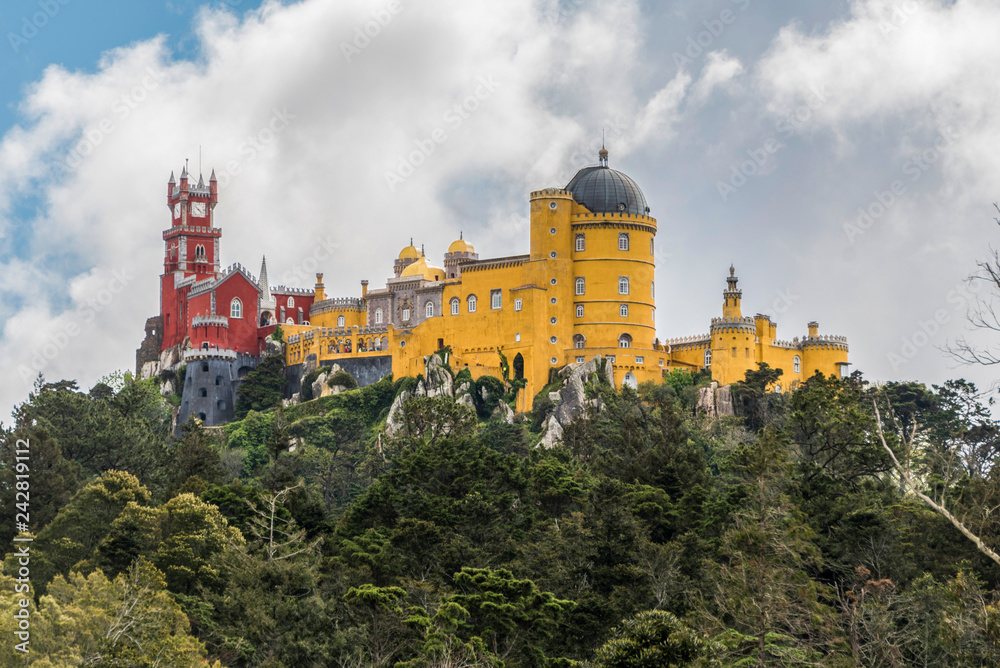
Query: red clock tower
(191, 250)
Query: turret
(813, 329)
(732, 297)
(320, 289)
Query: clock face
(177, 210)
(198, 209)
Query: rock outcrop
(438, 380)
(572, 400)
(715, 401)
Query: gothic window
(236, 308)
(579, 341)
(797, 364)
(581, 286)
(518, 304)
(340, 321)
(291, 302)
(454, 305)
(378, 316)
(625, 341)
(623, 285)
(579, 310)
(495, 299)
(471, 304)
(623, 241)
(708, 358)
(429, 309)
(623, 310)
(581, 242)
(406, 314)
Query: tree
(651, 639)
(263, 388)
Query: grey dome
(605, 190)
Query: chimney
(364, 289)
(813, 329)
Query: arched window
(630, 381)
(581, 242)
(579, 310)
(579, 341)
(708, 358)
(623, 241)
(429, 310)
(581, 286)
(203, 392)
(289, 321)
(454, 305)
(625, 341)
(291, 302)
(471, 304)
(797, 364)
(406, 315)
(378, 316)
(340, 321)
(236, 308)
(623, 310)
(623, 285)
(218, 380)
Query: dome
(409, 253)
(605, 190)
(420, 267)
(461, 246)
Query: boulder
(505, 412)
(724, 401)
(394, 421)
(438, 378)
(466, 400)
(572, 400)
(319, 387)
(149, 370)
(706, 399)
(272, 347)
(167, 388)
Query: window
(301, 316)
(623, 310)
(291, 302)
(517, 337)
(623, 285)
(454, 305)
(470, 304)
(236, 308)
(625, 341)
(580, 360)
(640, 360)
(203, 392)
(797, 364)
(581, 242)
(651, 246)
(652, 289)
(406, 314)
(581, 286)
(340, 321)
(579, 341)
(518, 304)
(553, 339)
(495, 299)
(623, 241)
(429, 309)
(579, 310)
(378, 316)
(708, 358)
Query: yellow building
(586, 288)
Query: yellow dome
(421, 268)
(409, 253)
(461, 246)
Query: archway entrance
(518, 366)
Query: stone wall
(149, 349)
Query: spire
(212, 178)
(267, 301)
(732, 270)
(422, 250)
(171, 181)
(602, 155)
(184, 171)
(732, 296)
(201, 181)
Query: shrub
(343, 379)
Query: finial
(732, 270)
(602, 155)
(460, 235)
(421, 250)
(212, 178)
(411, 241)
(172, 181)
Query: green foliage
(251, 434)
(306, 393)
(343, 379)
(278, 334)
(651, 639)
(263, 388)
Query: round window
(553, 339)
(552, 205)
(552, 230)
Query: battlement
(204, 285)
(210, 354)
(581, 218)
(551, 192)
(216, 320)
(236, 267)
(190, 229)
(745, 325)
(495, 263)
(287, 292)
(337, 304)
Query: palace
(585, 288)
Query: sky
(841, 154)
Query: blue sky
(766, 134)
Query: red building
(210, 307)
